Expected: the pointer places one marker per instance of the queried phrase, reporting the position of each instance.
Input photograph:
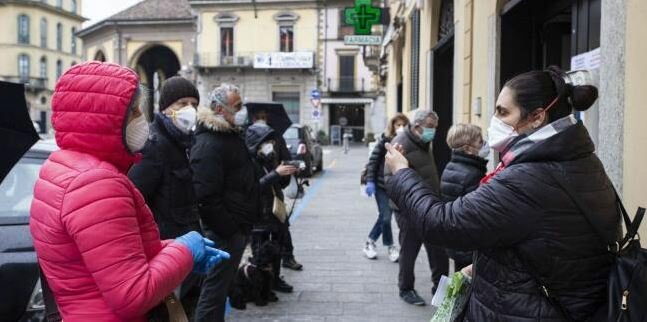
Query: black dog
(253, 282)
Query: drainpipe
(119, 44)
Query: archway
(100, 56)
(155, 64)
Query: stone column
(612, 94)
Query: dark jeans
(383, 224)
(287, 248)
(211, 306)
(410, 243)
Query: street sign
(315, 94)
(363, 16)
(362, 40)
(316, 114)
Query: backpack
(627, 284)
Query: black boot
(280, 285)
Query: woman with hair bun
(537, 257)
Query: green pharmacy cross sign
(363, 16)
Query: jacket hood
(571, 144)
(212, 121)
(408, 131)
(257, 134)
(89, 110)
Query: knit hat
(174, 89)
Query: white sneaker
(394, 254)
(369, 250)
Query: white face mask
(240, 118)
(500, 134)
(137, 134)
(399, 130)
(485, 150)
(267, 149)
(185, 118)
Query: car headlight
(36, 301)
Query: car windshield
(17, 189)
(291, 134)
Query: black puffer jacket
(164, 179)
(522, 211)
(375, 166)
(224, 177)
(270, 182)
(461, 175)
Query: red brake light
(301, 149)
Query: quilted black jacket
(522, 212)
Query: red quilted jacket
(95, 237)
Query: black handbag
(627, 284)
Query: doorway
(349, 117)
(442, 98)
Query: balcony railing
(348, 84)
(35, 83)
(217, 59)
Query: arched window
(100, 56)
(43, 33)
(43, 67)
(74, 6)
(23, 68)
(59, 37)
(59, 69)
(23, 29)
(73, 41)
(72, 64)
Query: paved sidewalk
(338, 283)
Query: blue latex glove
(205, 257)
(370, 188)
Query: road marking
(311, 192)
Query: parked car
(303, 146)
(21, 297)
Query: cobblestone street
(338, 283)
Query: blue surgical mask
(428, 134)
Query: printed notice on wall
(589, 60)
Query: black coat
(224, 177)
(164, 179)
(461, 175)
(523, 212)
(375, 166)
(269, 181)
(420, 156)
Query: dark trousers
(383, 224)
(410, 244)
(287, 248)
(211, 306)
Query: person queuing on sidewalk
(287, 247)
(273, 177)
(375, 186)
(97, 243)
(524, 224)
(464, 172)
(224, 180)
(164, 176)
(416, 140)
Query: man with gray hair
(226, 192)
(416, 141)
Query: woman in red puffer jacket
(96, 240)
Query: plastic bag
(294, 190)
(452, 307)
